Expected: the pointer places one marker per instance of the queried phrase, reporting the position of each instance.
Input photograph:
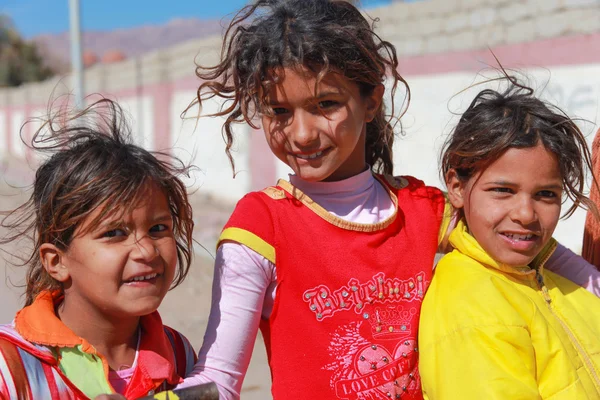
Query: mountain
(132, 42)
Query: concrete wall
(442, 46)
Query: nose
(523, 210)
(304, 131)
(145, 249)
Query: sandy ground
(186, 308)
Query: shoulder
(461, 279)
(255, 220)
(465, 294)
(410, 184)
(252, 213)
(258, 207)
(8, 334)
(185, 356)
(14, 356)
(255, 200)
(178, 339)
(415, 197)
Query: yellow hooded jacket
(490, 331)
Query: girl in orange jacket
(112, 233)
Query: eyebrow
(320, 95)
(120, 222)
(163, 218)
(553, 186)
(545, 187)
(106, 226)
(327, 93)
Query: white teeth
(519, 237)
(310, 156)
(143, 278)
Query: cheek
(274, 135)
(481, 212)
(345, 123)
(169, 254)
(550, 216)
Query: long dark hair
(92, 164)
(497, 121)
(322, 35)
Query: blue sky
(33, 17)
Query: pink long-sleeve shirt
(244, 284)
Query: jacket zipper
(594, 375)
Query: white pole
(76, 58)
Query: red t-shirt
(346, 313)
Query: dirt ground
(186, 308)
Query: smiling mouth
(518, 238)
(142, 278)
(312, 156)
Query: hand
(113, 396)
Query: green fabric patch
(84, 370)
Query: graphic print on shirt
(375, 356)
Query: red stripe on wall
(162, 95)
(263, 164)
(7, 132)
(565, 50)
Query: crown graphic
(391, 322)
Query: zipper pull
(540, 281)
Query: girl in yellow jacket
(495, 324)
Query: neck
(114, 338)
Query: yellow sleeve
(249, 240)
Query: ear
(374, 102)
(456, 189)
(52, 261)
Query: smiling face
(319, 134)
(125, 266)
(512, 206)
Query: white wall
(576, 89)
(200, 141)
(140, 112)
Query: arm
(575, 268)
(241, 280)
(492, 363)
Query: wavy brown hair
(92, 164)
(514, 118)
(322, 35)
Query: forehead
(124, 207)
(524, 165)
(296, 82)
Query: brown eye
(279, 110)
(159, 228)
(547, 193)
(328, 104)
(114, 233)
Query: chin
(516, 260)
(143, 307)
(312, 176)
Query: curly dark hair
(92, 165)
(514, 118)
(322, 35)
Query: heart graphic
(373, 358)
